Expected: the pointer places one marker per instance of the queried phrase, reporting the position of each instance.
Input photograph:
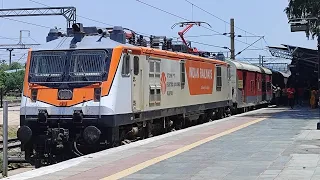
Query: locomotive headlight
(97, 94)
(34, 94)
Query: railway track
(12, 144)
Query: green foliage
(2, 78)
(15, 65)
(305, 9)
(11, 81)
(4, 67)
(14, 81)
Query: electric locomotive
(95, 88)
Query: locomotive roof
(91, 42)
(172, 55)
(88, 42)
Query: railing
(9, 145)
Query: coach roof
(245, 66)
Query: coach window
(126, 65)
(135, 65)
(219, 79)
(182, 74)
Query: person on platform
(313, 96)
(290, 92)
(277, 91)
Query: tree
(2, 78)
(4, 66)
(15, 65)
(305, 9)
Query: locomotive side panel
(183, 83)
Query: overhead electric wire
(225, 22)
(27, 22)
(189, 20)
(22, 57)
(13, 39)
(175, 15)
(33, 40)
(83, 17)
(217, 16)
(145, 34)
(207, 44)
(248, 46)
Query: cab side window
(219, 79)
(126, 65)
(182, 74)
(136, 65)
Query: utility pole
(10, 55)
(259, 60)
(262, 60)
(20, 39)
(232, 38)
(318, 34)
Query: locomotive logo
(163, 83)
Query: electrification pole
(232, 38)
(259, 60)
(318, 34)
(10, 55)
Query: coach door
(244, 90)
(137, 84)
(264, 87)
(256, 94)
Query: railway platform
(269, 143)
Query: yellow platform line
(150, 162)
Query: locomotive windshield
(47, 64)
(69, 66)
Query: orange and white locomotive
(98, 88)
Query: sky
(252, 18)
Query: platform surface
(271, 143)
